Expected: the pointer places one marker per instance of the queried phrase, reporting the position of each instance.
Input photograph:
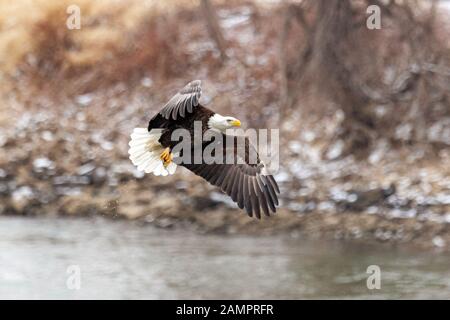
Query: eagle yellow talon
(166, 156)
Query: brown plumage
(246, 183)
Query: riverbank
(185, 202)
(64, 162)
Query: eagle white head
(222, 123)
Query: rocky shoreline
(181, 202)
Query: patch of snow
(21, 193)
(308, 135)
(223, 198)
(3, 140)
(40, 164)
(233, 21)
(295, 146)
(84, 99)
(282, 176)
(107, 145)
(404, 131)
(438, 242)
(86, 168)
(447, 218)
(325, 206)
(146, 82)
(352, 197)
(138, 174)
(372, 210)
(402, 214)
(336, 150)
(47, 135)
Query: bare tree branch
(214, 29)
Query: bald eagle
(248, 183)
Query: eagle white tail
(145, 152)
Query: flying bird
(248, 183)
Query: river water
(39, 258)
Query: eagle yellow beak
(236, 123)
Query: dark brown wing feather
(183, 102)
(248, 184)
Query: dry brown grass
(116, 40)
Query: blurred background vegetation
(364, 115)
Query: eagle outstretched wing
(184, 101)
(247, 182)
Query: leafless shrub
(117, 42)
(382, 80)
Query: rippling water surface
(126, 260)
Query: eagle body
(201, 114)
(247, 182)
